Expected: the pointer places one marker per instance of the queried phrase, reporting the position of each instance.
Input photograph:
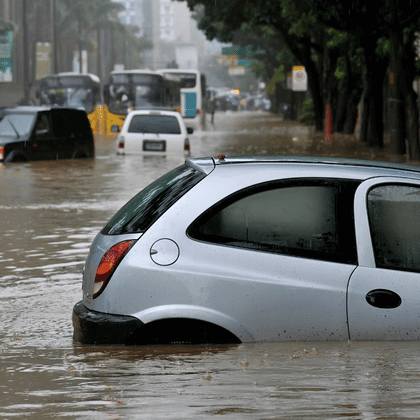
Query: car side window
(42, 125)
(312, 219)
(394, 217)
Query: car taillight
(120, 142)
(186, 145)
(108, 265)
(198, 111)
(1, 153)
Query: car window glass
(42, 125)
(16, 125)
(305, 220)
(394, 216)
(164, 124)
(148, 205)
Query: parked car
(154, 132)
(250, 249)
(42, 132)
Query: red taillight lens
(121, 142)
(198, 111)
(1, 153)
(108, 264)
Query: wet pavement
(49, 214)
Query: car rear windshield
(16, 125)
(164, 124)
(148, 205)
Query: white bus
(193, 96)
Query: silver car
(245, 249)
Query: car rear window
(164, 124)
(16, 125)
(148, 205)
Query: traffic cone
(329, 133)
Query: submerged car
(250, 249)
(44, 132)
(154, 132)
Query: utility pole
(54, 37)
(26, 73)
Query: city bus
(76, 90)
(139, 89)
(193, 96)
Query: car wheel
(15, 156)
(79, 154)
(182, 331)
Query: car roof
(154, 112)
(33, 109)
(371, 167)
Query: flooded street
(50, 212)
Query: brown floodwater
(49, 214)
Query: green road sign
(242, 51)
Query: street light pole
(26, 74)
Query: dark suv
(40, 132)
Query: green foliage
(308, 114)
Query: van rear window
(164, 124)
(149, 204)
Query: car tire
(79, 154)
(15, 156)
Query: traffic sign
(299, 79)
(242, 51)
(236, 71)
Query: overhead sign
(236, 71)
(244, 62)
(242, 51)
(43, 60)
(228, 60)
(299, 78)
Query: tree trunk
(372, 129)
(351, 115)
(375, 132)
(397, 107)
(412, 116)
(413, 126)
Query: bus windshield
(188, 80)
(72, 97)
(73, 91)
(129, 91)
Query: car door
(277, 258)
(384, 290)
(64, 127)
(44, 144)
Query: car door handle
(382, 298)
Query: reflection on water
(51, 211)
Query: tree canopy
(350, 51)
